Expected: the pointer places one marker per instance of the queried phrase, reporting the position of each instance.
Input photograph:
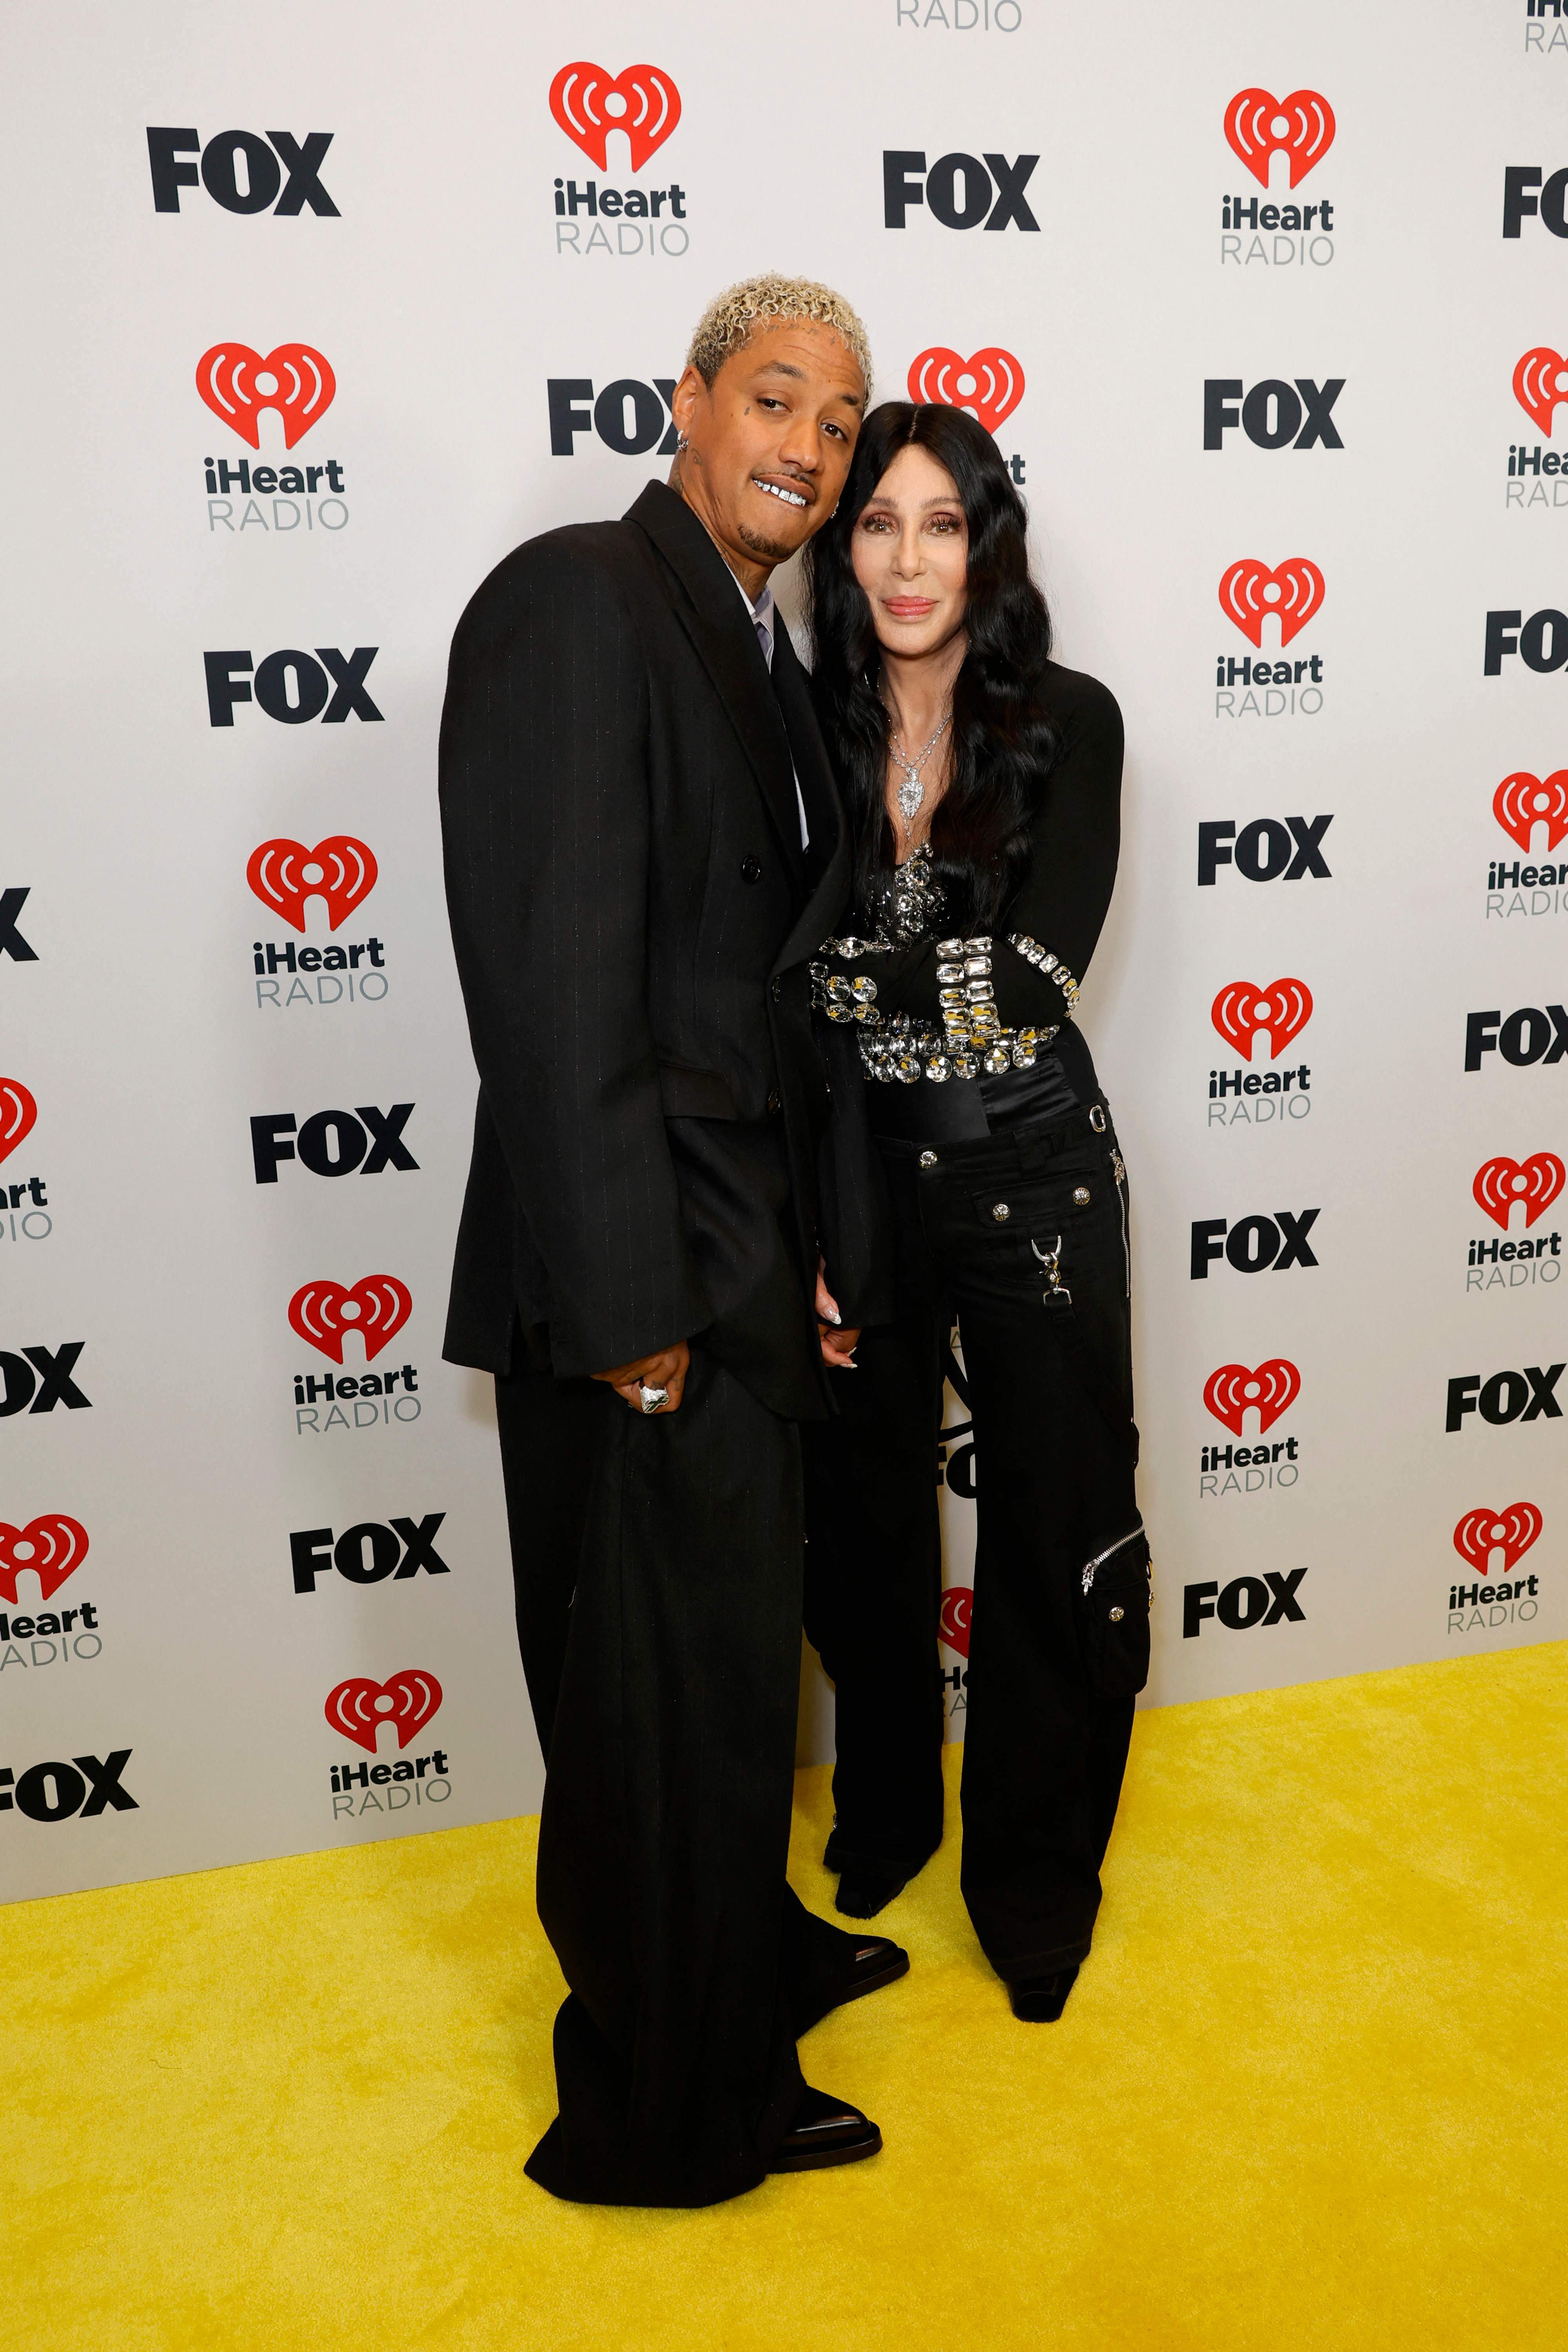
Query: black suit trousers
(667, 1808)
(549, 1431)
(1020, 1236)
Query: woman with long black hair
(982, 782)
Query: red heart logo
(324, 1312)
(1539, 382)
(1521, 801)
(1292, 592)
(358, 1707)
(17, 1112)
(284, 874)
(1536, 1182)
(952, 1620)
(642, 101)
(990, 385)
(1272, 1389)
(53, 1547)
(1242, 1011)
(1481, 1533)
(1259, 126)
(237, 383)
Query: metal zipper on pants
(1119, 1172)
(1101, 1556)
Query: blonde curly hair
(732, 317)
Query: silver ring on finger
(652, 1398)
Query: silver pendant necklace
(911, 791)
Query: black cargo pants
(1021, 1238)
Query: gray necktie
(763, 622)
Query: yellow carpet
(1308, 2092)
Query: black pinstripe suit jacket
(661, 1140)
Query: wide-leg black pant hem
(1018, 1968)
(546, 2167)
(839, 1856)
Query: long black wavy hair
(1003, 738)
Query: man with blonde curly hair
(668, 1232)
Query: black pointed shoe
(864, 1891)
(1040, 2000)
(873, 1962)
(825, 2131)
(867, 1883)
(879, 1961)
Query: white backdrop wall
(423, 256)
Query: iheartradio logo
(1234, 1392)
(1522, 802)
(359, 1707)
(953, 1619)
(588, 104)
(1243, 1012)
(1511, 1532)
(237, 383)
(1292, 592)
(377, 1307)
(1502, 1183)
(18, 1114)
(990, 384)
(53, 1547)
(283, 874)
(1539, 382)
(1260, 127)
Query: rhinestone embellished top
(971, 1037)
(929, 1003)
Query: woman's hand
(837, 1344)
(665, 1370)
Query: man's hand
(837, 1344)
(667, 1370)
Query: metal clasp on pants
(1097, 1117)
(1051, 1260)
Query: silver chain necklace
(911, 791)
